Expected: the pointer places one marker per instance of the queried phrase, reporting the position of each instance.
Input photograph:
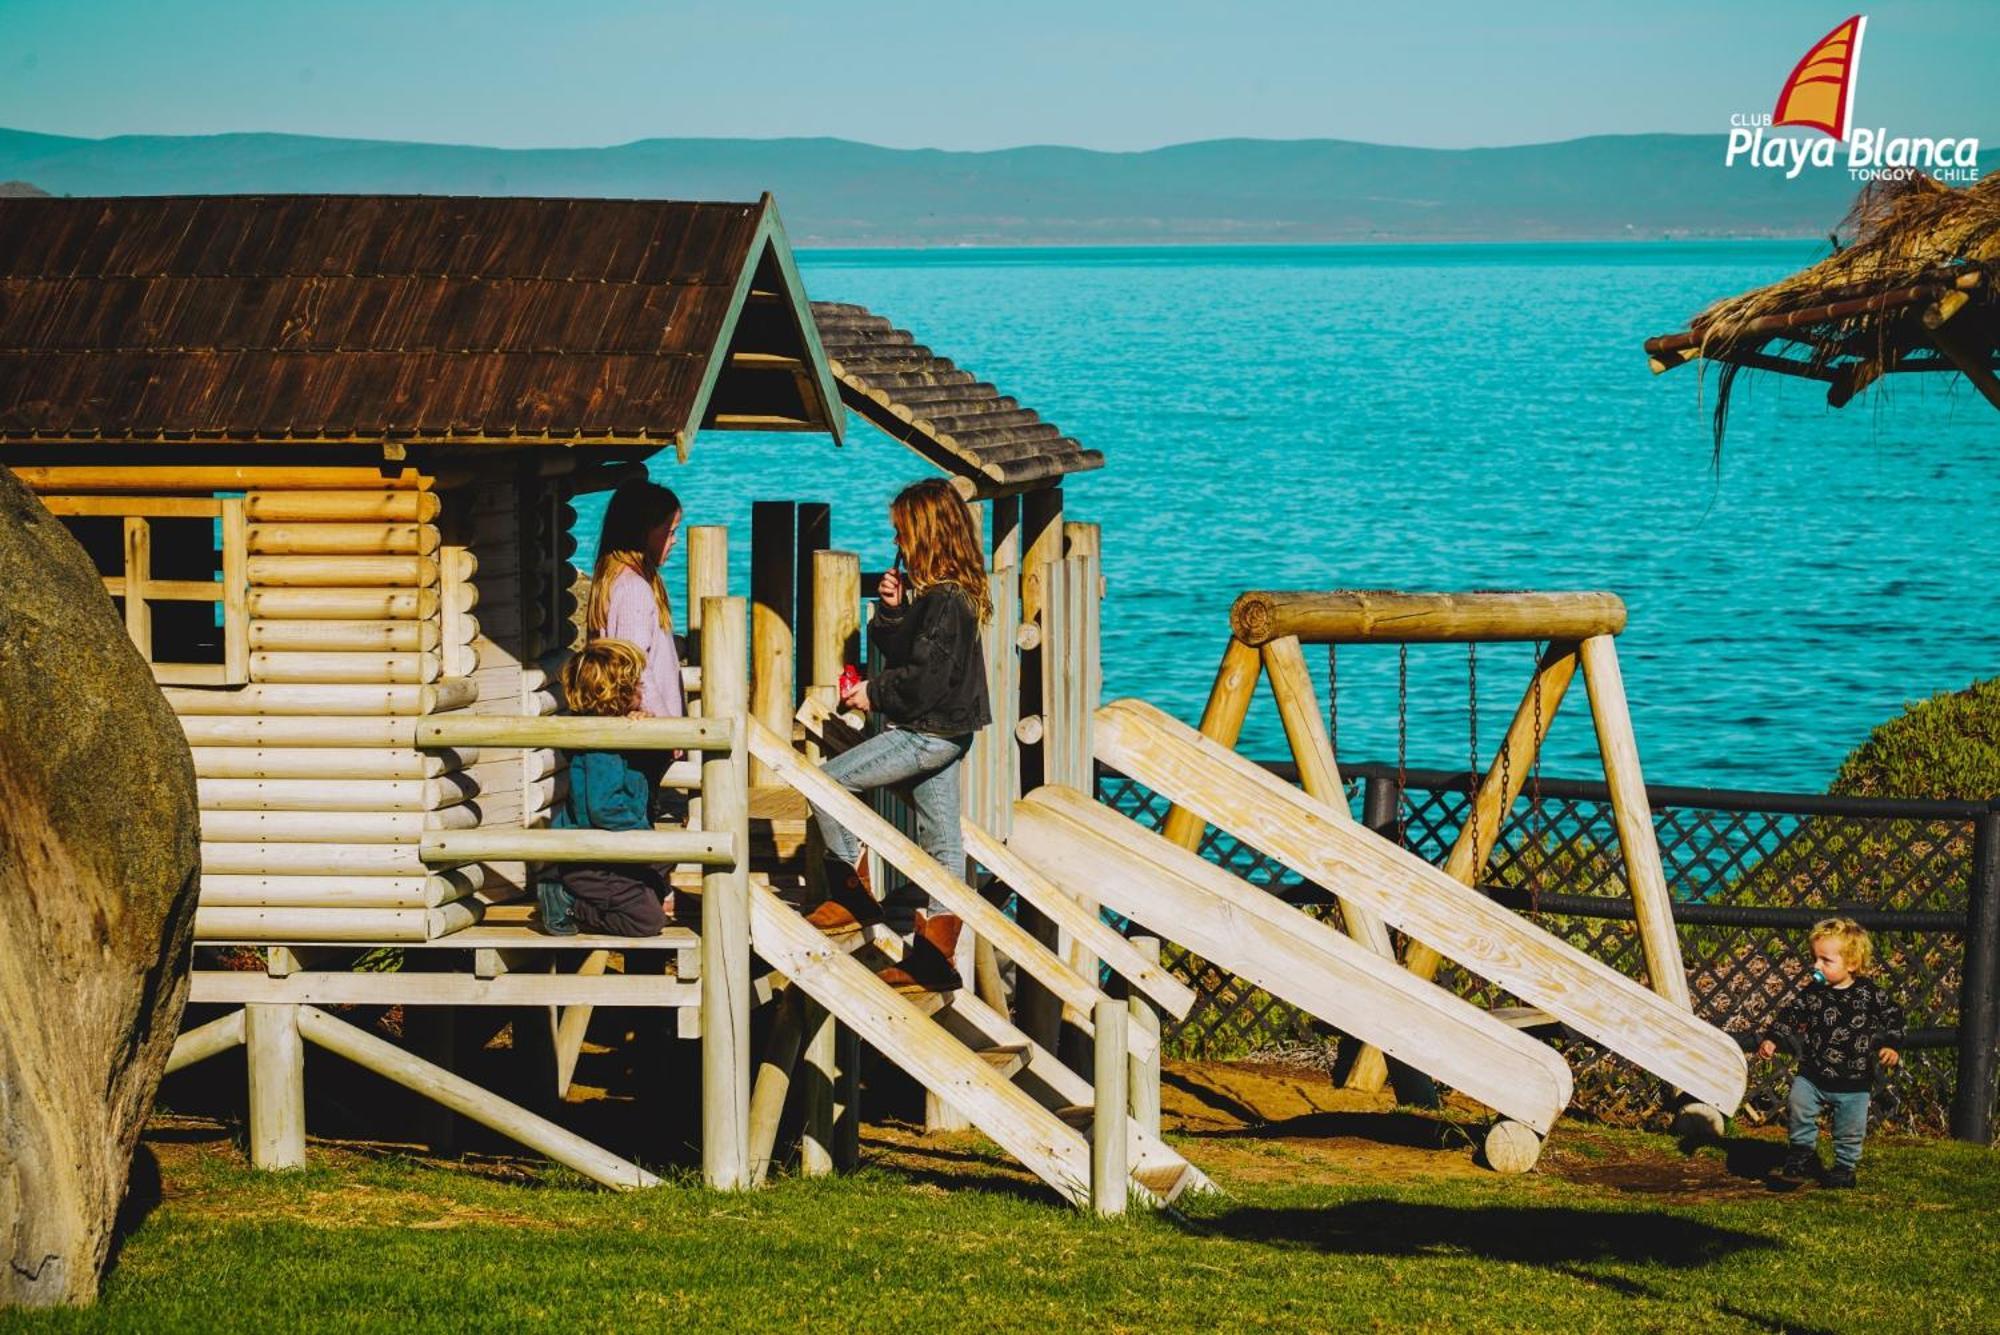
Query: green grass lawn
(1615, 1232)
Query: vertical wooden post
(1069, 678)
(1979, 991)
(725, 907)
(277, 1070)
(235, 591)
(820, 1070)
(836, 600)
(1109, 1170)
(1144, 1072)
(773, 564)
(1222, 723)
(138, 575)
(1039, 540)
(991, 768)
(832, 1049)
(815, 534)
(774, 1082)
(1637, 840)
(1004, 533)
(708, 570)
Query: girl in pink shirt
(627, 600)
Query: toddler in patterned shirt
(1838, 1026)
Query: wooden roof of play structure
(988, 442)
(1912, 288)
(415, 319)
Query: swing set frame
(1268, 632)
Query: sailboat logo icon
(1819, 94)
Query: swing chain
(1472, 722)
(1539, 821)
(1402, 741)
(1332, 705)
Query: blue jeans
(895, 757)
(1850, 1119)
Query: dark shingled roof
(403, 318)
(990, 443)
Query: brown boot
(849, 907)
(927, 965)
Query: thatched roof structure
(1913, 286)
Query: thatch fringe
(1910, 256)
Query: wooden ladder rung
(1078, 1115)
(1005, 1058)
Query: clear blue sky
(946, 74)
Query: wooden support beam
(703, 848)
(574, 1023)
(1973, 356)
(815, 534)
(821, 1075)
(1637, 841)
(1108, 1127)
(1378, 616)
(277, 1075)
(1144, 1098)
(773, 651)
(774, 1081)
(707, 571)
(205, 1041)
(577, 732)
(469, 1100)
(725, 906)
(1222, 723)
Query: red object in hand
(850, 677)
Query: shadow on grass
(1554, 1238)
(1525, 1234)
(1410, 1130)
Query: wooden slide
(1461, 924)
(954, 1046)
(1088, 848)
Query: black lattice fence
(1749, 873)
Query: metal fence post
(1380, 798)
(1979, 990)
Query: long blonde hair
(937, 536)
(636, 508)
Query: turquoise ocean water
(1452, 417)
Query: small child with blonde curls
(1838, 1026)
(607, 791)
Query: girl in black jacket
(932, 697)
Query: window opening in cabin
(175, 567)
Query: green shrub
(1946, 747)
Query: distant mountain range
(837, 192)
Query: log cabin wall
(361, 605)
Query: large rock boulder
(99, 854)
